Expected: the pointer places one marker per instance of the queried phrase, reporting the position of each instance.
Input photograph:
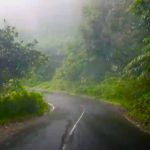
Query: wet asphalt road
(102, 127)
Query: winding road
(77, 123)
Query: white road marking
(64, 147)
(73, 128)
(52, 106)
(76, 123)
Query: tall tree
(108, 31)
(17, 59)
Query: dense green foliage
(17, 59)
(141, 8)
(110, 38)
(131, 94)
(17, 103)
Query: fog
(42, 18)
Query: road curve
(79, 124)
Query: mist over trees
(111, 37)
(95, 47)
(17, 59)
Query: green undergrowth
(18, 104)
(131, 94)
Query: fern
(139, 67)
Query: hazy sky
(42, 17)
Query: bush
(133, 94)
(17, 105)
(141, 108)
(127, 89)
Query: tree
(17, 59)
(111, 36)
(142, 9)
(140, 66)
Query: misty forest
(94, 48)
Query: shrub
(117, 88)
(17, 105)
(142, 108)
(133, 94)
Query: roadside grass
(131, 94)
(19, 105)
